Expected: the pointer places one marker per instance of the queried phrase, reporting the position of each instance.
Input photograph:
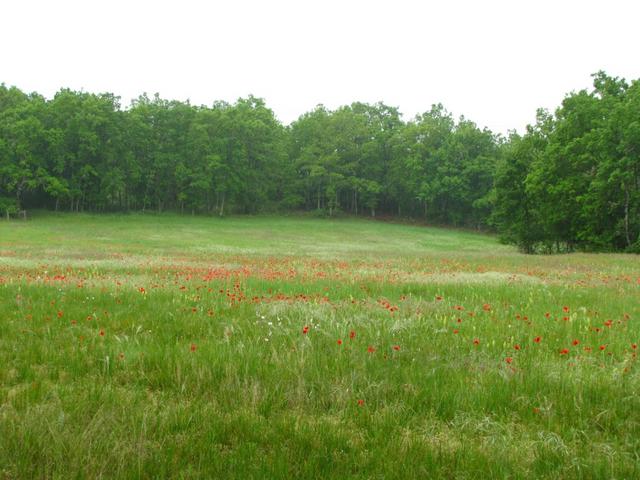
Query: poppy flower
(602, 347)
(455, 331)
(565, 309)
(564, 351)
(396, 348)
(102, 333)
(537, 339)
(516, 347)
(305, 330)
(476, 341)
(352, 335)
(193, 347)
(508, 360)
(360, 402)
(575, 342)
(339, 342)
(370, 349)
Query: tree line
(571, 181)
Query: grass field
(188, 347)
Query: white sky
(494, 61)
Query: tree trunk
(626, 215)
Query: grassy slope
(99, 317)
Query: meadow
(146, 346)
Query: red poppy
(602, 347)
(102, 333)
(565, 309)
(305, 330)
(455, 331)
(370, 349)
(508, 360)
(352, 334)
(516, 347)
(537, 339)
(193, 347)
(634, 346)
(396, 348)
(476, 341)
(575, 342)
(360, 402)
(339, 342)
(564, 351)
(486, 307)
(438, 297)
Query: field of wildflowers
(185, 347)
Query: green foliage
(572, 181)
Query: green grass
(146, 346)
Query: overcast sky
(493, 61)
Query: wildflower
(102, 333)
(565, 309)
(60, 313)
(396, 348)
(602, 347)
(455, 331)
(486, 307)
(564, 351)
(193, 347)
(370, 349)
(305, 329)
(508, 360)
(352, 335)
(575, 342)
(537, 339)
(339, 341)
(438, 298)
(360, 402)
(516, 347)
(476, 341)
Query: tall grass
(178, 347)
